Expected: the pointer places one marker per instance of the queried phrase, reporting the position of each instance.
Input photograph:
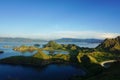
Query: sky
(52, 19)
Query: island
(94, 60)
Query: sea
(50, 72)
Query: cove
(50, 72)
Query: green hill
(87, 58)
(110, 45)
(112, 73)
(52, 45)
(41, 55)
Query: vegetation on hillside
(102, 56)
(90, 58)
(22, 60)
(52, 45)
(64, 57)
(112, 73)
(25, 48)
(110, 45)
(41, 55)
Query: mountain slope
(7, 39)
(111, 45)
(79, 40)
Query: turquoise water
(9, 52)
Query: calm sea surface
(50, 72)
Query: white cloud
(66, 34)
(86, 34)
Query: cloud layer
(66, 34)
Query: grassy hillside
(52, 45)
(89, 58)
(112, 73)
(25, 48)
(21, 60)
(110, 45)
(41, 55)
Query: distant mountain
(6, 39)
(79, 40)
(112, 45)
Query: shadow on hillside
(92, 69)
(73, 54)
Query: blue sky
(51, 19)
